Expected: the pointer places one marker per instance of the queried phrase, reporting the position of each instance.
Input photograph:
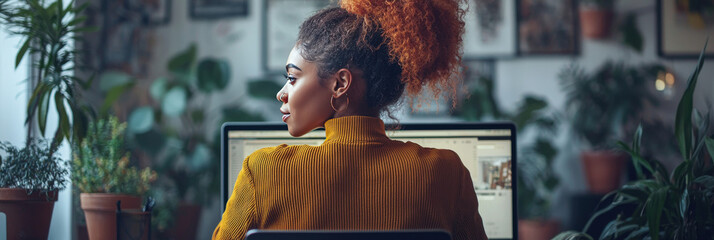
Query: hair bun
(424, 35)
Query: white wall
(13, 91)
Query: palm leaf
(683, 121)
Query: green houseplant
(662, 205)
(102, 172)
(602, 106)
(174, 130)
(29, 181)
(47, 29)
(596, 18)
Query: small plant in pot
(29, 181)
(102, 172)
(601, 107)
(596, 18)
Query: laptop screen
(486, 149)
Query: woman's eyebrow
(290, 65)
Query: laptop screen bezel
(279, 126)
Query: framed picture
(125, 43)
(281, 22)
(681, 32)
(548, 27)
(216, 9)
(490, 29)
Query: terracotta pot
(186, 225)
(537, 229)
(28, 216)
(596, 22)
(603, 170)
(100, 212)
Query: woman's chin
(295, 132)
(298, 131)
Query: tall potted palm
(102, 172)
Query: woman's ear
(343, 81)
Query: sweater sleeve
(240, 214)
(469, 224)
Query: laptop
(488, 150)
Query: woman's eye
(290, 78)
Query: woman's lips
(286, 116)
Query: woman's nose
(281, 96)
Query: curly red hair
(424, 35)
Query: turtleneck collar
(355, 129)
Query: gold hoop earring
(333, 105)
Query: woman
(350, 64)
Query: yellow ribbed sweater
(357, 179)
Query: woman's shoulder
(275, 153)
(437, 155)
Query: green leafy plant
(631, 35)
(101, 162)
(32, 168)
(176, 130)
(676, 205)
(604, 104)
(536, 179)
(173, 129)
(48, 29)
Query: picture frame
(124, 42)
(490, 29)
(217, 9)
(281, 23)
(548, 27)
(677, 36)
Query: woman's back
(357, 179)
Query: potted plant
(102, 172)
(537, 180)
(536, 184)
(47, 28)
(662, 205)
(29, 181)
(172, 129)
(602, 106)
(596, 18)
